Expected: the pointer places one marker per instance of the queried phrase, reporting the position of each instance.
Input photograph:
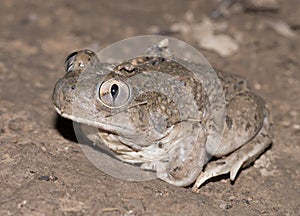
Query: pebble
(282, 28)
(261, 5)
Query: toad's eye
(80, 59)
(114, 93)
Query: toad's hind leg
(237, 159)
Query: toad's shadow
(65, 128)
(74, 133)
(101, 157)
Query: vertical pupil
(114, 90)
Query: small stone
(15, 125)
(296, 126)
(282, 29)
(153, 29)
(246, 201)
(48, 178)
(6, 157)
(20, 205)
(44, 178)
(257, 86)
(225, 206)
(286, 123)
(261, 5)
(232, 198)
(293, 113)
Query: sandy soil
(43, 170)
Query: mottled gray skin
(163, 121)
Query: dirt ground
(42, 168)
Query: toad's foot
(236, 160)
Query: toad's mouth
(111, 128)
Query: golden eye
(114, 93)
